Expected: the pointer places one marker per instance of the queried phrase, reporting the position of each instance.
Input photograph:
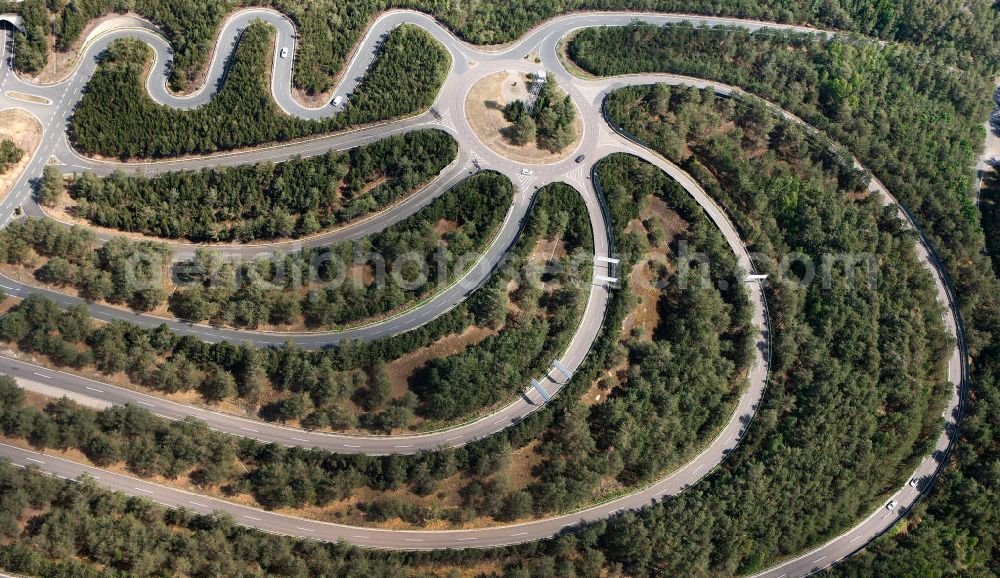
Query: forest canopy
(963, 31)
(266, 200)
(952, 532)
(350, 281)
(829, 342)
(790, 435)
(10, 154)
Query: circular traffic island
(539, 128)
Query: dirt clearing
(26, 132)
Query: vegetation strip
(266, 200)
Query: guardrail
(605, 212)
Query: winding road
(469, 63)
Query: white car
(284, 52)
(913, 483)
(528, 172)
(337, 100)
(891, 505)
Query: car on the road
(528, 172)
(913, 482)
(284, 52)
(337, 100)
(891, 505)
(580, 158)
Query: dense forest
(331, 285)
(266, 200)
(69, 337)
(952, 532)
(547, 318)
(683, 372)
(10, 154)
(549, 123)
(31, 49)
(350, 281)
(320, 388)
(989, 204)
(964, 31)
(135, 273)
(835, 343)
(151, 446)
(917, 123)
(907, 116)
(116, 117)
(837, 332)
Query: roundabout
(484, 112)
(463, 110)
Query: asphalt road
(468, 64)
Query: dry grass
(28, 97)
(484, 110)
(26, 132)
(8, 304)
(401, 369)
(522, 461)
(646, 316)
(445, 226)
(596, 394)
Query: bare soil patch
(26, 132)
(401, 369)
(548, 250)
(522, 461)
(445, 226)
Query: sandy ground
(484, 109)
(26, 132)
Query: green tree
(50, 187)
(10, 154)
(523, 131)
(218, 385)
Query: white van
(337, 100)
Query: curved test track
(468, 64)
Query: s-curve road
(597, 140)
